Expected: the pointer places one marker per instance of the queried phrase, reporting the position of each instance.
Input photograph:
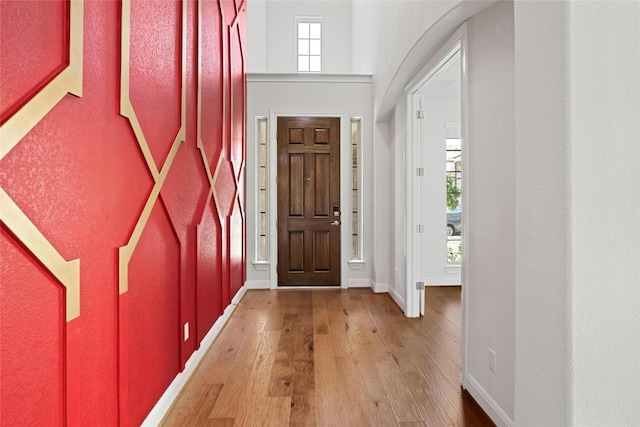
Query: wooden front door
(308, 201)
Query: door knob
(336, 222)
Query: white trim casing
(345, 187)
(413, 154)
(262, 265)
(309, 78)
(357, 264)
(457, 42)
(464, 118)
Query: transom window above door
(309, 49)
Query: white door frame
(345, 200)
(415, 297)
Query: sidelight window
(309, 39)
(261, 133)
(356, 196)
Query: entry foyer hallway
(331, 358)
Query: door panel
(296, 251)
(308, 196)
(296, 185)
(321, 185)
(321, 251)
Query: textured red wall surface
(81, 177)
(209, 274)
(44, 52)
(31, 305)
(154, 307)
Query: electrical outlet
(492, 360)
(186, 331)
(397, 275)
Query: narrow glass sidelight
(356, 197)
(261, 128)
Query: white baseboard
(236, 299)
(360, 283)
(163, 405)
(258, 284)
(486, 402)
(399, 299)
(380, 288)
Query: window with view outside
(309, 45)
(454, 191)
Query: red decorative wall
(122, 150)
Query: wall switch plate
(186, 331)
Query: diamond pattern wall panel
(156, 72)
(37, 300)
(209, 269)
(119, 228)
(154, 273)
(211, 82)
(236, 243)
(237, 102)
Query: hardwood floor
(331, 358)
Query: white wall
(256, 36)
(578, 150)
(399, 24)
(407, 33)
(349, 96)
(348, 35)
(605, 185)
(275, 41)
(362, 34)
(542, 215)
(490, 212)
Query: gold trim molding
(126, 109)
(67, 272)
(211, 176)
(68, 81)
(14, 130)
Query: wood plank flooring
(331, 358)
